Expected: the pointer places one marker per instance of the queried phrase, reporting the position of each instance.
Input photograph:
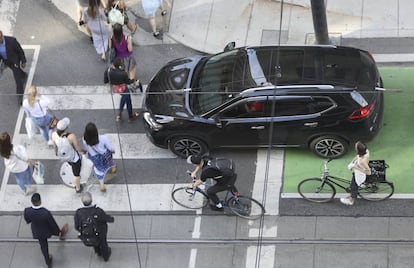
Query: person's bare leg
(133, 73)
(132, 27)
(153, 24)
(76, 181)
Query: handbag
(115, 15)
(38, 173)
(30, 127)
(119, 88)
(107, 157)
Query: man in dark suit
(43, 226)
(83, 214)
(12, 54)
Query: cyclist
(224, 178)
(359, 166)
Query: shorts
(76, 167)
(150, 7)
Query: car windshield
(219, 78)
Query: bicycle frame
(336, 181)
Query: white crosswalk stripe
(85, 97)
(132, 146)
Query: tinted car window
(247, 109)
(301, 105)
(340, 67)
(289, 69)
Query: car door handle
(314, 124)
(258, 127)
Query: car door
(295, 118)
(243, 124)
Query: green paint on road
(394, 143)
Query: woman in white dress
(95, 19)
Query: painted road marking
(85, 97)
(130, 145)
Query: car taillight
(362, 112)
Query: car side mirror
(218, 122)
(230, 46)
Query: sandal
(156, 34)
(103, 188)
(164, 12)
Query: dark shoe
(81, 22)
(109, 254)
(90, 38)
(80, 189)
(164, 12)
(213, 207)
(64, 231)
(156, 34)
(49, 265)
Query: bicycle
(322, 190)
(196, 198)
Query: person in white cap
(67, 149)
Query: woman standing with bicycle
(360, 169)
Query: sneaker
(347, 201)
(80, 189)
(215, 208)
(50, 143)
(29, 190)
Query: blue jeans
(43, 124)
(126, 99)
(23, 178)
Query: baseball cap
(63, 124)
(194, 159)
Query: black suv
(321, 97)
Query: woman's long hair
(91, 134)
(118, 33)
(5, 145)
(93, 9)
(31, 98)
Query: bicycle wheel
(376, 191)
(316, 190)
(245, 207)
(189, 197)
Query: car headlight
(151, 122)
(156, 123)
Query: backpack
(224, 165)
(89, 233)
(65, 150)
(115, 15)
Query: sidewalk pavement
(297, 242)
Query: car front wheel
(185, 146)
(329, 146)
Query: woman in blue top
(100, 152)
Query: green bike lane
(394, 143)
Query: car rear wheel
(185, 146)
(329, 146)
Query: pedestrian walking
(36, 107)
(150, 9)
(17, 161)
(82, 5)
(118, 78)
(68, 150)
(12, 54)
(100, 152)
(122, 7)
(124, 50)
(91, 222)
(95, 20)
(43, 226)
(360, 170)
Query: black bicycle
(196, 197)
(321, 190)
